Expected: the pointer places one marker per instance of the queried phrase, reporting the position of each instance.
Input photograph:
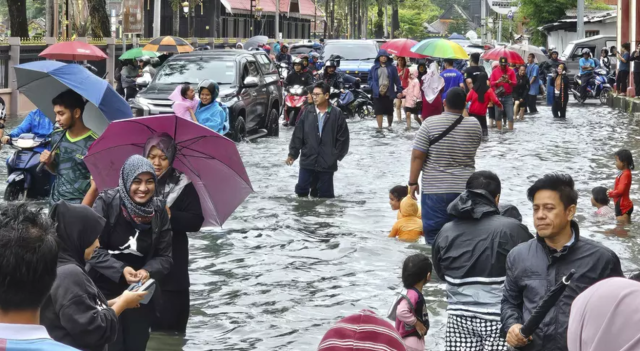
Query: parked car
(249, 85)
(304, 48)
(573, 52)
(357, 57)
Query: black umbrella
(545, 306)
(256, 41)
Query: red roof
(269, 7)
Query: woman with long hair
(404, 74)
(561, 89)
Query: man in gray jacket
(535, 267)
(470, 255)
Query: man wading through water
(385, 87)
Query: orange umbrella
(175, 45)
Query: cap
(503, 60)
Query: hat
(362, 331)
(503, 60)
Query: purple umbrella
(211, 161)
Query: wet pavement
(283, 269)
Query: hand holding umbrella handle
(53, 149)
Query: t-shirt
(636, 59)
(451, 161)
(532, 71)
(586, 62)
(28, 337)
(452, 79)
(73, 178)
(383, 77)
(473, 72)
(624, 66)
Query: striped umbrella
(168, 44)
(441, 48)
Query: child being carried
(185, 99)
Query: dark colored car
(357, 57)
(249, 85)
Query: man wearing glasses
(321, 139)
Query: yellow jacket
(409, 225)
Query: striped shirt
(451, 161)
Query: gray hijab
(605, 317)
(132, 168)
(170, 183)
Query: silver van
(573, 52)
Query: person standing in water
(534, 84)
(561, 88)
(385, 87)
(503, 79)
(620, 193)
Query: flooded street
(283, 269)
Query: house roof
(452, 11)
(591, 16)
(294, 8)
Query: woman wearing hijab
(135, 245)
(605, 317)
(422, 71)
(560, 92)
(211, 113)
(185, 212)
(480, 96)
(76, 313)
(432, 85)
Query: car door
(272, 82)
(248, 94)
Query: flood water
(282, 270)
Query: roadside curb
(624, 103)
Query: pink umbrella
(73, 51)
(211, 161)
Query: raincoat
(214, 116)
(395, 87)
(181, 105)
(412, 93)
(36, 123)
(409, 227)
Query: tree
(18, 23)
(413, 14)
(379, 24)
(100, 26)
(395, 21)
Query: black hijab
(421, 74)
(481, 86)
(78, 227)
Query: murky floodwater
(282, 269)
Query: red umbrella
(401, 48)
(73, 51)
(497, 53)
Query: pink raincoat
(412, 92)
(181, 105)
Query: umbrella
(456, 36)
(137, 52)
(211, 161)
(545, 306)
(441, 48)
(73, 51)
(401, 48)
(41, 81)
(525, 50)
(497, 53)
(256, 41)
(175, 45)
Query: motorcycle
(24, 182)
(353, 102)
(598, 87)
(293, 102)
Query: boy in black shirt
(471, 72)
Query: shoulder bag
(446, 131)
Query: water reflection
(283, 269)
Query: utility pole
(156, 17)
(499, 28)
(278, 19)
(386, 34)
(580, 15)
(483, 21)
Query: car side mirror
(251, 82)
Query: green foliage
(413, 14)
(459, 26)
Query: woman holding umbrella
(185, 212)
(134, 247)
(210, 113)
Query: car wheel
(273, 127)
(240, 129)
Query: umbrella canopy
(441, 48)
(41, 81)
(401, 48)
(497, 53)
(256, 41)
(73, 51)
(552, 297)
(137, 52)
(211, 161)
(175, 45)
(525, 50)
(456, 36)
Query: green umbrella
(440, 48)
(137, 52)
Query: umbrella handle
(53, 149)
(567, 279)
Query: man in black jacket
(284, 56)
(469, 255)
(331, 77)
(533, 268)
(321, 138)
(298, 77)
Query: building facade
(629, 26)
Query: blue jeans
(507, 105)
(318, 184)
(434, 213)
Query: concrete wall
(561, 38)
(628, 29)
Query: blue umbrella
(456, 36)
(41, 81)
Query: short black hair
(399, 192)
(627, 46)
(184, 90)
(70, 100)
(309, 89)
(532, 55)
(456, 99)
(29, 256)
(415, 269)
(625, 157)
(561, 183)
(599, 194)
(323, 86)
(449, 62)
(485, 180)
(475, 57)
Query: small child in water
(622, 186)
(396, 195)
(409, 227)
(600, 200)
(184, 98)
(412, 317)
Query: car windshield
(569, 50)
(195, 70)
(298, 50)
(351, 51)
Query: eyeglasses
(316, 94)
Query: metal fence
(4, 66)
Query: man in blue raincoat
(385, 87)
(35, 123)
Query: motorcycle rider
(129, 74)
(298, 76)
(148, 72)
(35, 122)
(587, 65)
(331, 77)
(284, 56)
(305, 62)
